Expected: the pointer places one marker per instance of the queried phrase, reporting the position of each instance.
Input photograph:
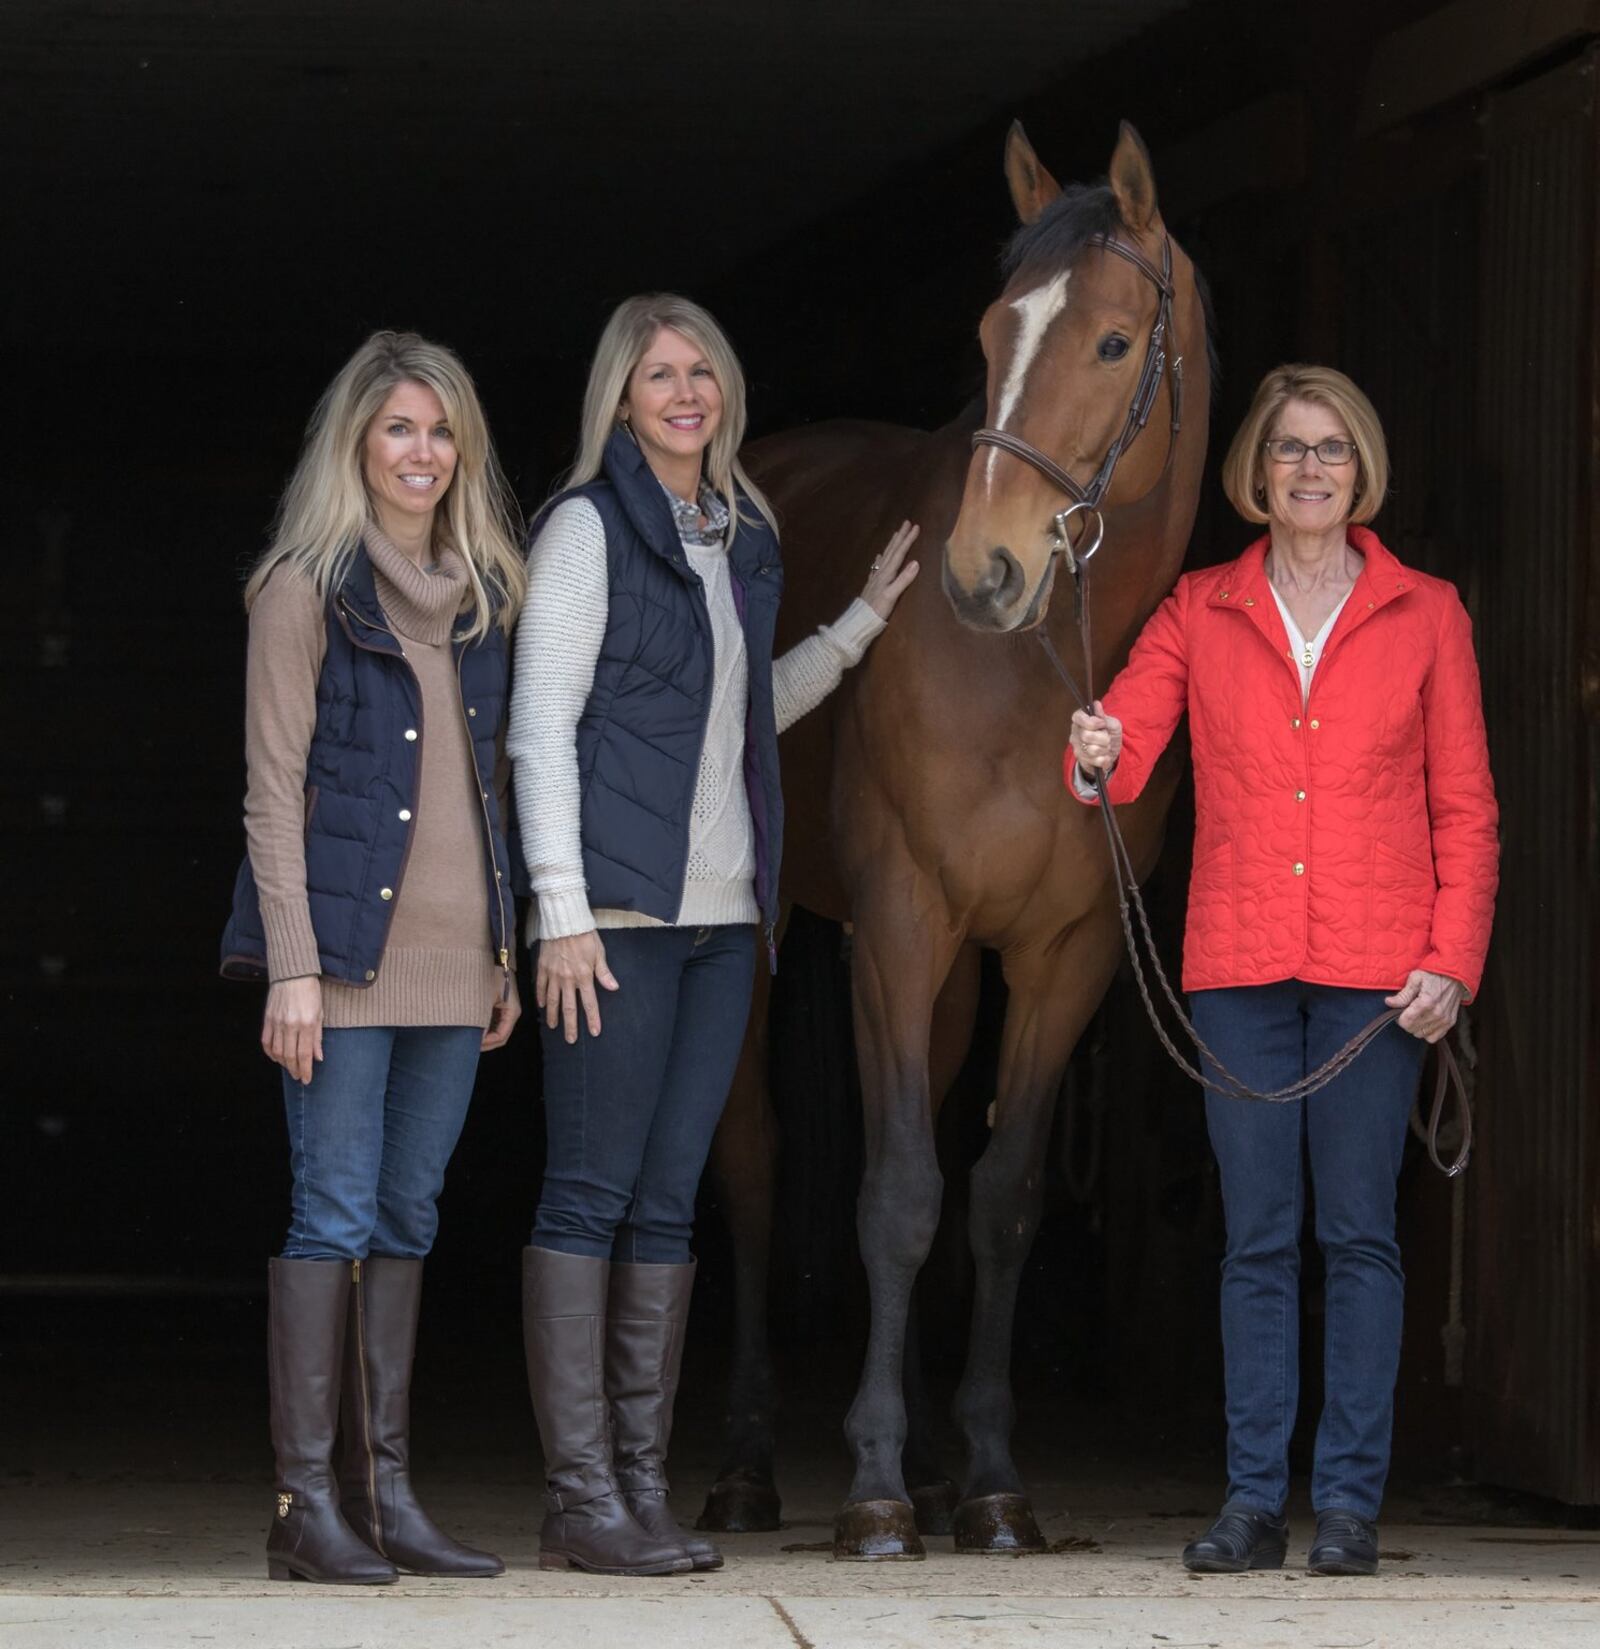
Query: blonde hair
(325, 508)
(1242, 474)
(628, 334)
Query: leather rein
(1086, 501)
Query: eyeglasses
(1288, 449)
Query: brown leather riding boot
(307, 1304)
(375, 1432)
(647, 1317)
(587, 1524)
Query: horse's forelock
(1079, 213)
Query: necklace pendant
(1306, 658)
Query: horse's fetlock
(984, 1411)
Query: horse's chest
(1004, 850)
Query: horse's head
(1066, 343)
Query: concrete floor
(136, 1491)
(138, 1565)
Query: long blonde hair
(1243, 478)
(628, 334)
(325, 508)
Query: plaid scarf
(686, 516)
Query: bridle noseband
(1086, 499)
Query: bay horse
(926, 806)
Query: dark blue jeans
(629, 1114)
(1353, 1131)
(370, 1136)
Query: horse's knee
(897, 1216)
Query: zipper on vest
(405, 857)
(703, 611)
(504, 950)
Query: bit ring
(1078, 555)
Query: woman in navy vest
(644, 733)
(374, 900)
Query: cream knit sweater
(557, 646)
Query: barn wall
(1532, 1363)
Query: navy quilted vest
(640, 735)
(361, 772)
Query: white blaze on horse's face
(1035, 311)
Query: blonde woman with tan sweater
(375, 901)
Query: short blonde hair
(628, 334)
(325, 508)
(1243, 479)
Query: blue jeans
(369, 1138)
(630, 1114)
(1354, 1133)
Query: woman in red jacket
(1345, 859)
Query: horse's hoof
(740, 1505)
(877, 1531)
(997, 1524)
(934, 1504)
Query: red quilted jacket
(1343, 842)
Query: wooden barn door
(1533, 1308)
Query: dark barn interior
(207, 207)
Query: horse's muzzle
(999, 601)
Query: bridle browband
(1087, 499)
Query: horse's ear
(1032, 187)
(1133, 181)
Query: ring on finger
(877, 562)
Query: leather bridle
(1086, 500)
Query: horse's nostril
(1004, 582)
(993, 596)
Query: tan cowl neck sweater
(438, 964)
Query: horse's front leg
(955, 1011)
(903, 950)
(1053, 991)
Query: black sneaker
(1345, 1545)
(1238, 1541)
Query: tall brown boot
(307, 1303)
(587, 1524)
(647, 1317)
(375, 1432)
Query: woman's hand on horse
(567, 973)
(507, 1010)
(1431, 1002)
(891, 573)
(291, 1028)
(1096, 739)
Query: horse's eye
(1113, 348)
